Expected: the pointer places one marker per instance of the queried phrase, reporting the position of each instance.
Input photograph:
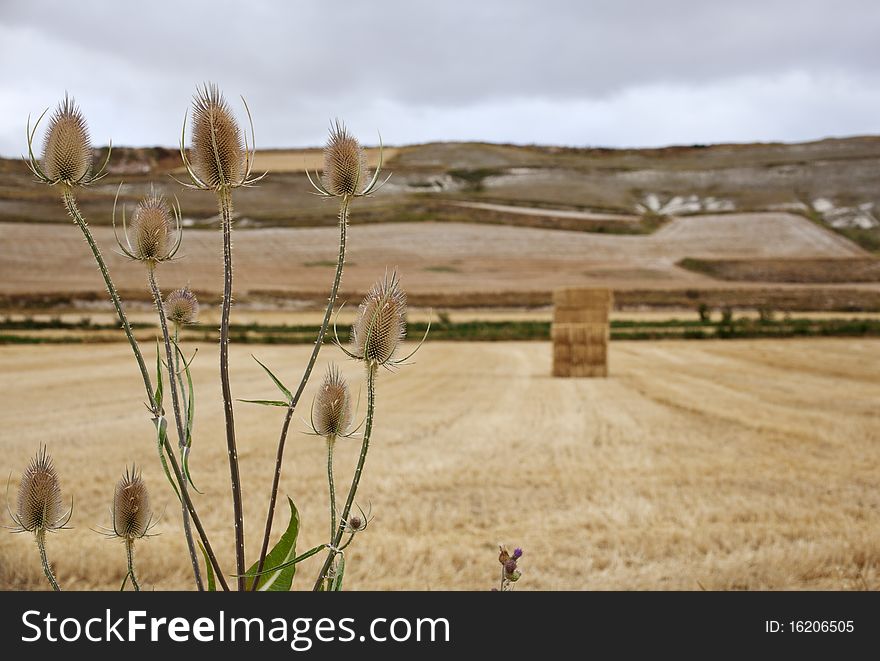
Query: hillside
(648, 221)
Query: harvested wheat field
(434, 257)
(726, 465)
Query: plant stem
(331, 303)
(47, 570)
(225, 201)
(181, 434)
(73, 210)
(331, 441)
(365, 446)
(129, 552)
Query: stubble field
(433, 257)
(726, 465)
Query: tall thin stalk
(349, 501)
(129, 552)
(47, 569)
(170, 357)
(325, 323)
(331, 441)
(72, 209)
(225, 200)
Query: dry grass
(733, 464)
(297, 160)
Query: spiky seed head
(182, 306)
(380, 325)
(217, 140)
(39, 496)
(131, 506)
(331, 414)
(67, 149)
(151, 226)
(345, 163)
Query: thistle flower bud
(39, 497)
(380, 325)
(151, 226)
(131, 506)
(355, 522)
(218, 151)
(182, 306)
(331, 412)
(510, 566)
(67, 150)
(345, 163)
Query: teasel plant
(182, 309)
(331, 418)
(39, 509)
(153, 241)
(220, 161)
(376, 337)
(66, 162)
(345, 177)
(131, 518)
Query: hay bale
(581, 332)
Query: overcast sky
(588, 72)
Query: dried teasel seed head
(151, 226)
(217, 141)
(331, 412)
(345, 163)
(131, 506)
(380, 325)
(67, 149)
(39, 496)
(182, 306)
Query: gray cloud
(600, 72)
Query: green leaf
(161, 431)
(191, 402)
(184, 460)
(212, 584)
(190, 415)
(266, 402)
(305, 556)
(336, 581)
(283, 552)
(274, 378)
(158, 396)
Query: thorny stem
(47, 570)
(225, 201)
(331, 303)
(129, 552)
(181, 434)
(331, 441)
(365, 446)
(73, 210)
